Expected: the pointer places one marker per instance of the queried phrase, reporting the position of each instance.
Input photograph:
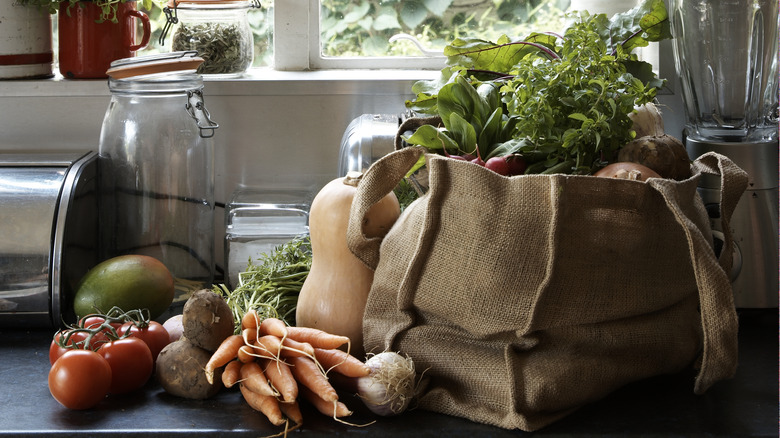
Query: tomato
(154, 334)
(97, 321)
(131, 363)
(80, 379)
(73, 339)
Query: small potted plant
(93, 33)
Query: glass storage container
(218, 30)
(257, 221)
(155, 165)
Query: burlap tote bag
(525, 298)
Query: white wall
(277, 129)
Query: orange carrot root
(292, 411)
(253, 378)
(334, 409)
(266, 404)
(317, 338)
(308, 374)
(250, 320)
(227, 351)
(232, 373)
(281, 378)
(341, 362)
(273, 326)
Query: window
(397, 33)
(326, 34)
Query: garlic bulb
(390, 385)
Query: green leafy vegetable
(108, 8)
(560, 101)
(271, 285)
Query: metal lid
(209, 3)
(154, 64)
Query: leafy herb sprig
(561, 101)
(108, 8)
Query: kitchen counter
(744, 406)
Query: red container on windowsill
(88, 45)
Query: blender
(726, 55)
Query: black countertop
(744, 406)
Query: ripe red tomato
(154, 334)
(96, 321)
(131, 363)
(73, 339)
(79, 379)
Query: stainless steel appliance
(48, 237)
(726, 54)
(368, 138)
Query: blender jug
(726, 54)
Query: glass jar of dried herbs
(218, 30)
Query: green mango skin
(129, 282)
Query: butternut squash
(333, 296)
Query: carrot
(274, 326)
(246, 354)
(317, 338)
(269, 345)
(266, 404)
(249, 335)
(226, 352)
(335, 409)
(341, 362)
(291, 347)
(250, 320)
(280, 376)
(253, 378)
(231, 374)
(292, 410)
(308, 374)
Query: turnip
(665, 154)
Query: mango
(128, 282)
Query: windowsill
(256, 82)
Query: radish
(455, 157)
(516, 163)
(500, 165)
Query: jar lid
(209, 3)
(154, 64)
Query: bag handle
(379, 180)
(716, 300)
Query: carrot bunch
(274, 364)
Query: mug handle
(147, 28)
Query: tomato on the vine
(154, 334)
(95, 321)
(80, 379)
(131, 363)
(71, 339)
